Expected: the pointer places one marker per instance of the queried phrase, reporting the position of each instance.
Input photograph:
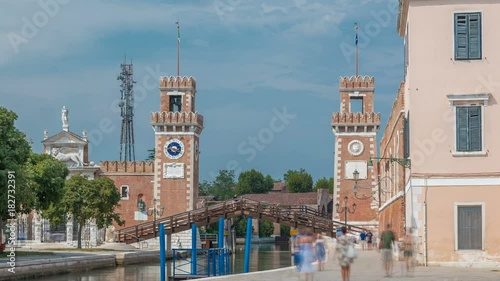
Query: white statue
(64, 117)
(84, 134)
(110, 234)
(68, 157)
(45, 134)
(37, 217)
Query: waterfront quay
(368, 267)
(50, 262)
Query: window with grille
(469, 228)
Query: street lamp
(155, 211)
(345, 209)
(355, 176)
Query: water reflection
(262, 257)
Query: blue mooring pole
(193, 249)
(220, 245)
(162, 252)
(220, 241)
(248, 244)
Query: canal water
(262, 257)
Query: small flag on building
(356, 34)
(178, 32)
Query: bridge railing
(294, 216)
(206, 263)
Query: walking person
(320, 252)
(307, 254)
(369, 240)
(408, 251)
(344, 251)
(362, 239)
(386, 245)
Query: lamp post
(155, 211)
(355, 176)
(345, 209)
(406, 163)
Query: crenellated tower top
(357, 82)
(177, 106)
(177, 82)
(356, 106)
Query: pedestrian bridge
(296, 216)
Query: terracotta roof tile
(279, 186)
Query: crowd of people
(309, 248)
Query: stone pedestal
(93, 233)
(38, 232)
(69, 233)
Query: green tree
(299, 181)
(88, 199)
(241, 228)
(14, 152)
(151, 155)
(223, 185)
(253, 181)
(204, 188)
(47, 176)
(324, 183)
(266, 228)
(284, 230)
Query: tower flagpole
(178, 48)
(356, 41)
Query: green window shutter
(406, 137)
(469, 224)
(461, 38)
(474, 36)
(462, 128)
(475, 128)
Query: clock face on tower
(174, 149)
(355, 147)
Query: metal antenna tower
(127, 151)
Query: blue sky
(249, 57)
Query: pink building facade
(451, 94)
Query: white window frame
(467, 100)
(483, 223)
(128, 192)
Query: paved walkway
(368, 267)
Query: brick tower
(355, 129)
(177, 131)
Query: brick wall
(364, 211)
(392, 214)
(138, 184)
(392, 174)
(177, 195)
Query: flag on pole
(356, 34)
(178, 32)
